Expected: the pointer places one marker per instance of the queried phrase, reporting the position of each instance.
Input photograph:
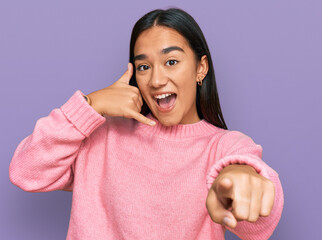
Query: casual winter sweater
(134, 181)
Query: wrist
(92, 101)
(87, 99)
(238, 167)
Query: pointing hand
(239, 193)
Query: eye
(142, 67)
(171, 62)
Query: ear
(202, 68)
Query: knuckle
(146, 120)
(257, 183)
(241, 209)
(253, 218)
(243, 201)
(241, 215)
(134, 97)
(143, 119)
(265, 213)
(136, 90)
(271, 185)
(246, 178)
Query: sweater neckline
(200, 128)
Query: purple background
(267, 59)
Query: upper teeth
(162, 96)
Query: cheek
(139, 82)
(143, 87)
(189, 87)
(186, 72)
(187, 81)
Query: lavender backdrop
(267, 58)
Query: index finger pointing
(224, 188)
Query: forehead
(157, 38)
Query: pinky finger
(268, 201)
(139, 117)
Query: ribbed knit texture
(134, 181)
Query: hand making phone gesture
(120, 99)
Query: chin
(167, 124)
(168, 121)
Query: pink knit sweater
(133, 181)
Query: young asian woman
(150, 157)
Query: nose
(158, 78)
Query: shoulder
(231, 138)
(234, 136)
(213, 131)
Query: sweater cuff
(250, 160)
(81, 114)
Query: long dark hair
(208, 105)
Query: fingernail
(227, 221)
(152, 123)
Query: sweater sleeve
(237, 148)
(44, 160)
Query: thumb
(217, 211)
(126, 77)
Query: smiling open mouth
(166, 102)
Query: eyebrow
(163, 51)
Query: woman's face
(167, 74)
